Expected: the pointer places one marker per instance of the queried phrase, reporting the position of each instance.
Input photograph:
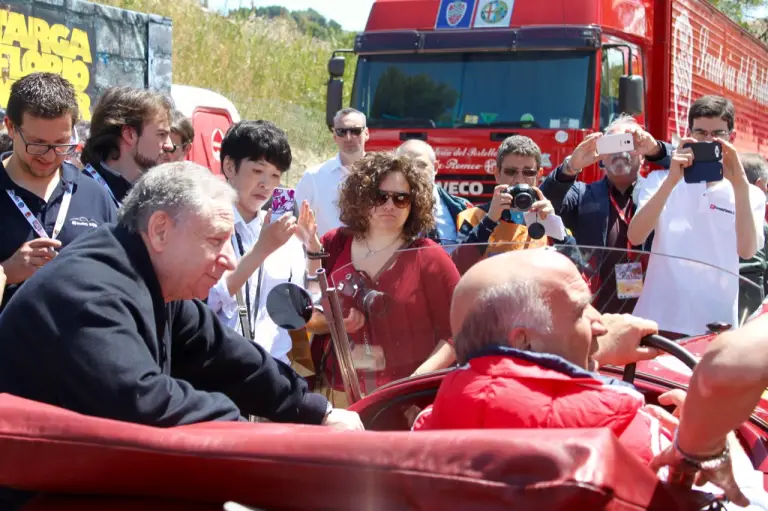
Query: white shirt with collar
(320, 187)
(698, 224)
(287, 263)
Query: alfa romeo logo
(495, 11)
(455, 12)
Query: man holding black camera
(518, 216)
(705, 220)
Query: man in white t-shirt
(320, 186)
(269, 251)
(711, 223)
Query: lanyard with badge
(629, 276)
(34, 222)
(95, 175)
(244, 304)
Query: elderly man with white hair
(114, 326)
(447, 207)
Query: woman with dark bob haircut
(395, 284)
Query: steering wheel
(667, 346)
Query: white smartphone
(618, 143)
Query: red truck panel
(712, 55)
(688, 49)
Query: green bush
(269, 69)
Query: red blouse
(410, 317)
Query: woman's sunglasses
(400, 200)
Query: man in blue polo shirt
(45, 201)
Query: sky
(350, 14)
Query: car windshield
(403, 307)
(477, 90)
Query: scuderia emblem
(455, 12)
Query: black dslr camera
(523, 196)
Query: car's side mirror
(631, 94)
(289, 306)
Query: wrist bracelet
(700, 462)
(317, 255)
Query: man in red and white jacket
(527, 336)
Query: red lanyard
(625, 215)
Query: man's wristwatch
(568, 169)
(703, 463)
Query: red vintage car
(75, 462)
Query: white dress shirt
(287, 263)
(697, 224)
(320, 187)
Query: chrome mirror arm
(339, 338)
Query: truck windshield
(526, 89)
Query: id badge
(629, 280)
(370, 358)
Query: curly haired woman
(396, 286)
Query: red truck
(465, 74)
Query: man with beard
(320, 186)
(130, 131)
(598, 214)
(46, 203)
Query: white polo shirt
(286, 264)
(320, 187)
(697, 224)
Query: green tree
(741, 11)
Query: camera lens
(523, 201)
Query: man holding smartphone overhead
(702, 209)
(267, 244)
(598, 213)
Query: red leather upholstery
(272, 466)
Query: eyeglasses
(698, 132)
(342, 132)
(514, 172)
(399, 199)
(172, 148)
(38, 149)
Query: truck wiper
(504, 124)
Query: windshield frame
(586, 120)
(335, 316)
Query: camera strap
(247, 321)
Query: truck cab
(463, 75)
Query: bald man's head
(528, 299)
(420, 151)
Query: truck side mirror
(631, 94)
(333, 99)
(336, 67)
(335, 88)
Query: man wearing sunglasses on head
(320, 186)
(130, 132)
(182, 136)
(499, 223)
(45, 201)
